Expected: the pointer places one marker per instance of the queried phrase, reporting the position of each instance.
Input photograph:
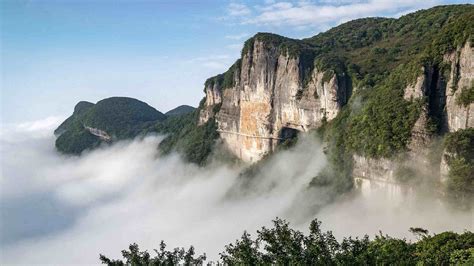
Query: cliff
(272, 93)
(440, 114)
(383, 95)
(282, 86)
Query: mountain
(180, 110)
(79, 109)
(111, 118)
(383, 95)
(380, 92)
(299, 84)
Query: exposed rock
(382, 170)
(268, 95)
(444, 168)
(440, 104)
(416, 91)
(213, 97)
(113, 118)
(461, 76)
(99, 133)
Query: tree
(282, 245)
(243, 252)
(177, 256)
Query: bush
(282, 245)
(460, 159)
(466, 97)
(193, 142)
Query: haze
(62, 209)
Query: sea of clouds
(58, 209)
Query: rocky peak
(271, 88)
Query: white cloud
(215, 62)
(120, 194)
(18, 132)
(235, 46)
(237, 10)
(306, 13)
(237, 36)
(123, 193)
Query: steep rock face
(382, 170)
(462, 77)
(438, 96)
(213, 98)
(369, 171)
(269, 94)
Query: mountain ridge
(372, 89)
(180, 110)
(116, 117)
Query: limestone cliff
(267, 93)
(461, 78)
(272, 92)
(389, 97)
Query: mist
(58, 209)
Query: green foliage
(282, 245)
(466, 97)
(225, 80)
(444, 248)
(381, 57)
(286, 46)
(338, 171)
(80, 108)
(177, 256)
(373, 47)
(383, 125)
(120, 117)
(213, 81)
(405, 174)
(76, 140)
(180, 110)
(462, 257)
(194, 142)
(229, 80)
(285, 246)
(385, 250)
(245, 251)
(460, 159)
(124, 118)
(377, 56)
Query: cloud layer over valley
(60, 209)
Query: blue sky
(56, 53)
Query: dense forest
(282, 245)
(120, 117)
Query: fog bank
(58, 209)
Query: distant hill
(180, 110)
(115, 117)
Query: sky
(56, 53)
